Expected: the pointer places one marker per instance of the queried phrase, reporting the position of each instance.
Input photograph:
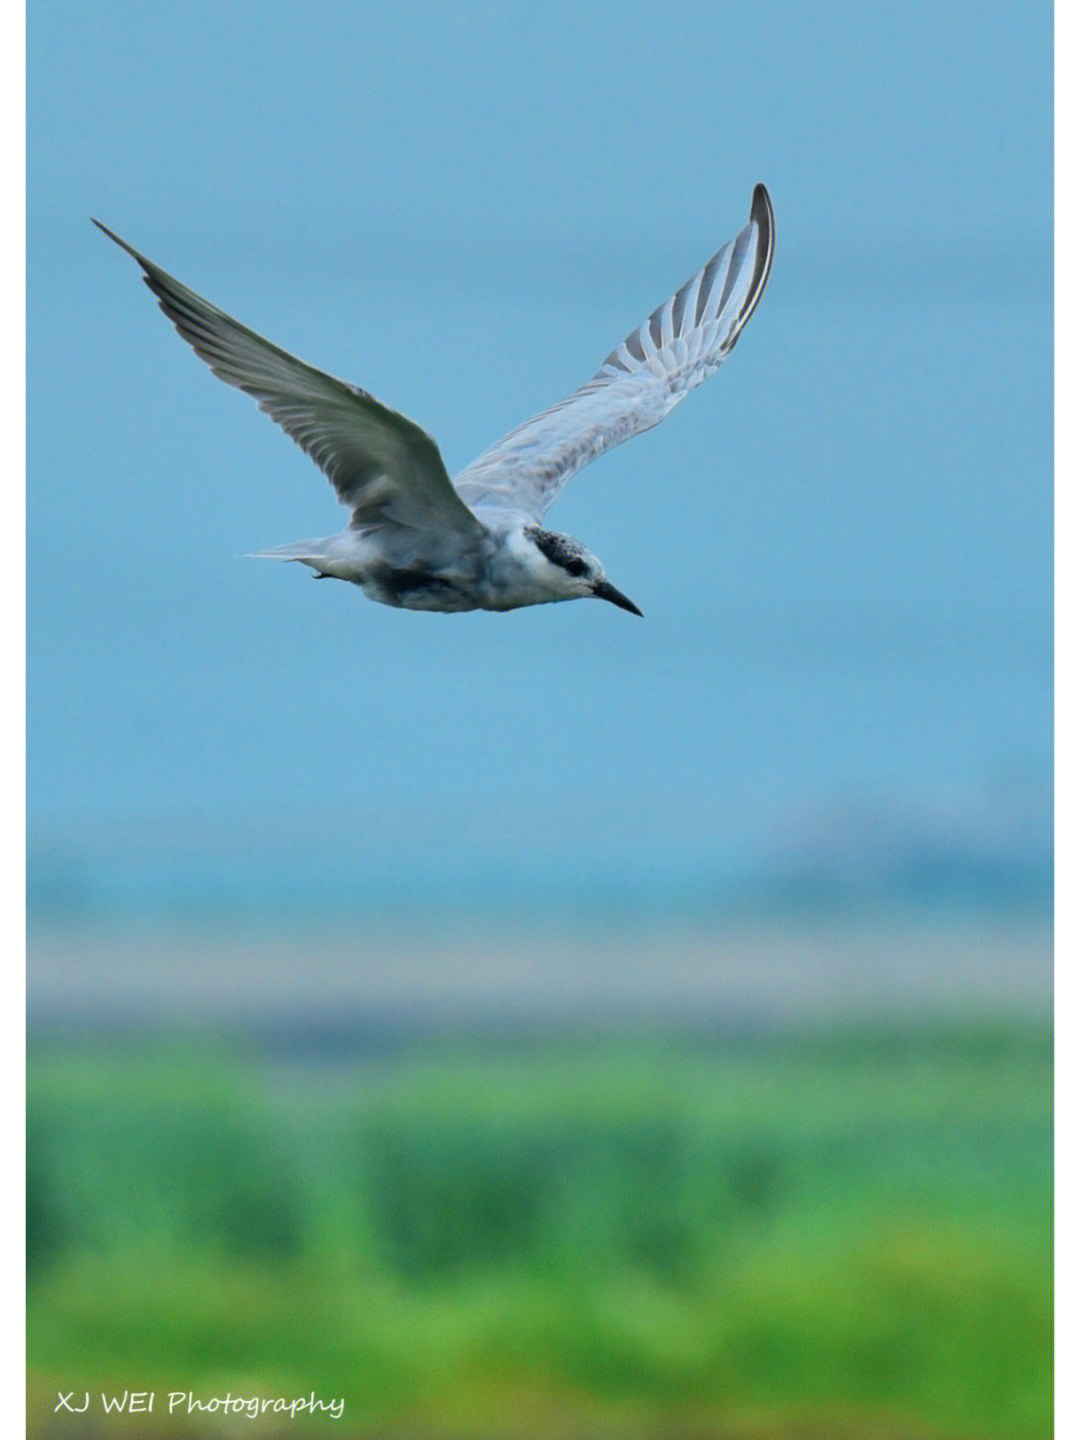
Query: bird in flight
(420, 540)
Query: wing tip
(105, 230)
(116, 240)
(764, 217)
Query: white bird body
(501, 570)
(420, 541)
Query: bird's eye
(576, 567)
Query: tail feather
(308, 550)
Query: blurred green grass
(818, 1235)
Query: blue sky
(840, 543)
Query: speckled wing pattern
(681, 343)
(383, 466)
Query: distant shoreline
(749, 973)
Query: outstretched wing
(681, 343)
(384, 467)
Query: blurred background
(554, 1023)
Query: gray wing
(388, 470)
(681, 344)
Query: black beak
(603, 590)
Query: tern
(420, 540)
